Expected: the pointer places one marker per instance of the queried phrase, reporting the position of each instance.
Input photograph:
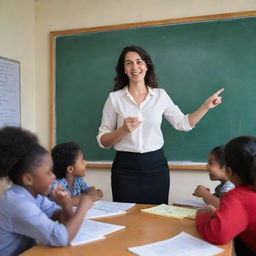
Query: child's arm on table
(71, 220)
(95, 194)
(206, 195)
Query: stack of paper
(191, 203)
(112, 205)
(171, 211)
(104, 209)
(92, 230)
(181, 245)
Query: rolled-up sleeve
(38, 225)
(108, 121)
(175, 116)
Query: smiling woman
(131, 122)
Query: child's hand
(61, 197)
(85, 201)
(100, 193)
(94, 193)
(200, 191)
(210, 209)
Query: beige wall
(24, 30)
(17, 41)
(69, 14)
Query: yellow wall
(24, 32)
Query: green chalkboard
(192, 60)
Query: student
(131, 122)
(216, 168)
(69, 168)
(26, 215)
(236, 216)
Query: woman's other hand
(131, 123)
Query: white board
(9, 92)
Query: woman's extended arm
(211, 102)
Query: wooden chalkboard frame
(54, 34)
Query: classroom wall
(52, 15)
(17, 41)
(69, 14)
(24, 30)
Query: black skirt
(141, 178)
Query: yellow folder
(171, 211)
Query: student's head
(144, 67)
(240, 157)
(216, 164)
(24, 161)
(68, 159)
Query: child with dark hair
(216, 168)
(236, 216)
(26, 215)
(69, 167)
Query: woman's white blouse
(148, 136)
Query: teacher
(131, 122)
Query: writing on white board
(9, 92)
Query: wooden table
(141, 228)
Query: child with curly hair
(26, 214)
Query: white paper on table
(96, 213)
(112, 205)
(93, 230)
(182, 244)
(192, 203)
(84, 237)
(99, 228)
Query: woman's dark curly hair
(121, 80)
(20, 153)
(64, 155)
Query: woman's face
(134, 67)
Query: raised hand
(60, 196)
(200, 191)
(213, 100)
